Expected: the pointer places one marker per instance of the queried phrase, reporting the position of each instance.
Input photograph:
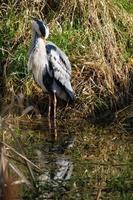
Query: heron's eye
(55, 58)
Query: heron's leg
(55, 105)
(49, 112)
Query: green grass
(126, 4)
(71, 40)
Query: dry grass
(94, 34)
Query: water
(83, 162)
(57, 167)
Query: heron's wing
(63, 57)
(58, 68)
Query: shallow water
(83, 162)
(57, 167)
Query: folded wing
(60, 68)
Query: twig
(19, 161)
(22, 156)
(98, 194)
(2, 49)
(22, 151)
(18, 172)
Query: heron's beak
(32, 18)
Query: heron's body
(51, 71)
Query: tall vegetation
(96, 35)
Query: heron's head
(41, 29)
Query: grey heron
(50, 66)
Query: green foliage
(70, 39)
(19, 63)
(126, 4)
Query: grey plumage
(50, 65)
(60, 70)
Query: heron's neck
(35, 36)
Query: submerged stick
(22, 150)
(7, 190)
(22, 156)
